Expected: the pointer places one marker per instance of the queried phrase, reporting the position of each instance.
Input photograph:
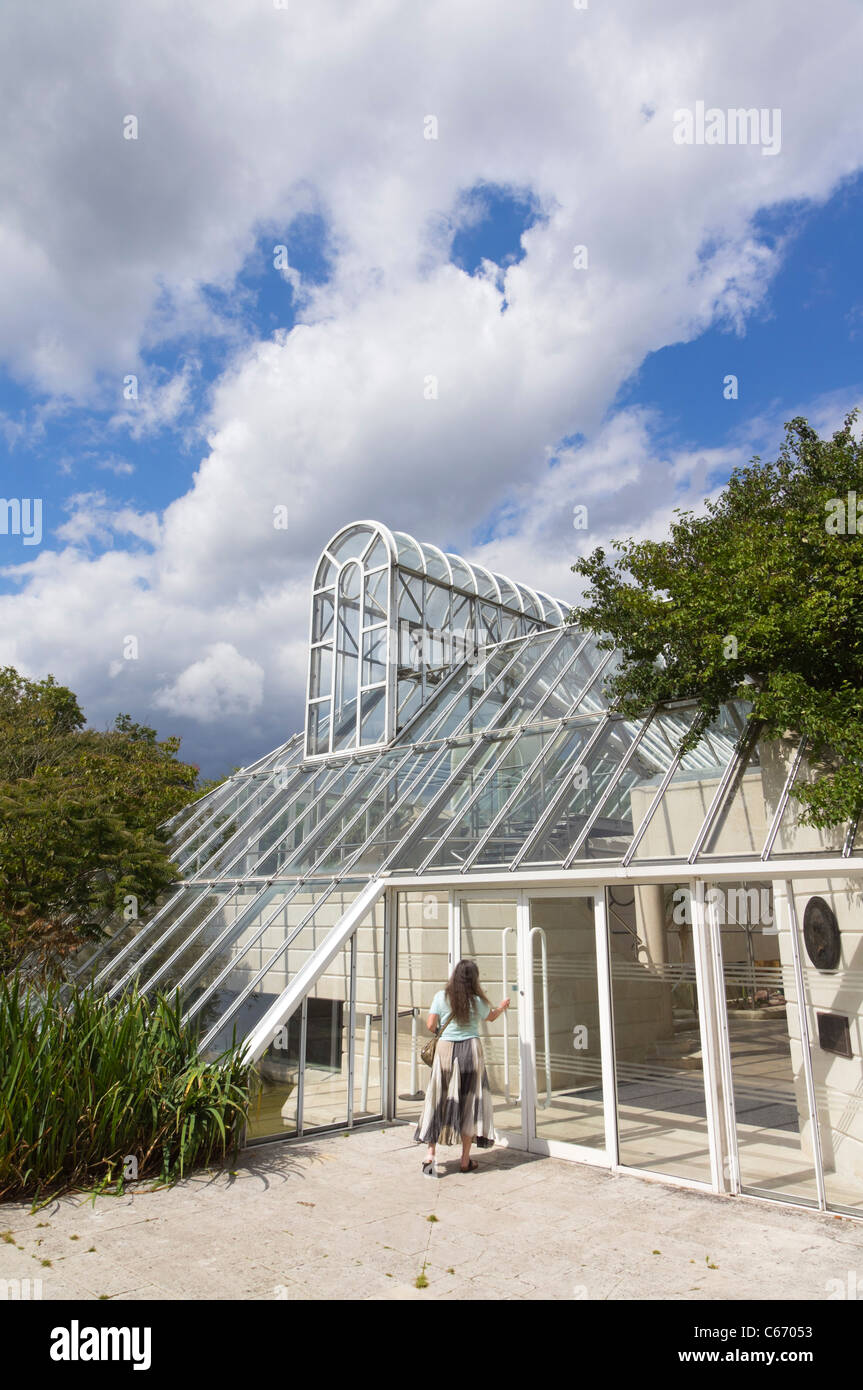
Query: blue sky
(406, 256)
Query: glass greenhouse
(685, 958)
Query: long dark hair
(462, 988)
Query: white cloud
(221, 684)
(95, 520)
(250, 114)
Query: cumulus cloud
(94, 519)
(221, 684)
(250, 115)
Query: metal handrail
(505, 980)
(538, 931)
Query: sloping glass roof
(514, 761)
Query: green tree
(80, 812)
(760, 596)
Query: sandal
(429, 1169)
(472, 1167)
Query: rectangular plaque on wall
(834, 1034)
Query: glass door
(566, 1023)
(487, 931)
(662, 1103)
(546, 951)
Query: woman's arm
(496, 1013)
(432, 1022)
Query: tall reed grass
(86, 1085)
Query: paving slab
(348, 1218)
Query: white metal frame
(526, 1138)
(531, 610)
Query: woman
(458, 1100)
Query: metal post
(538, 931)
(504, 972)
(367, 1057)
(301, 1079)
(352, 1026)
(414, 1078)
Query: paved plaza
(352, 1217)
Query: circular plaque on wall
(821, 934)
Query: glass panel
(569, 1101)
(204, 810)
(350, 543)
(490, 632)
(548, 675)
(594, 698)
(183, 917)
(289, 756)
(378, 555)
(326, 572)
(469, 765)
(204, 950)
(409, 552)
(325, 1080)
(423, 962)
(321, 672)
(422, 790)
(249, 796)
(627, 802)
(376, 597)
(462, 574)
(458, 697)
(563, 746)
(744, 820)
(354, 781)
(488, 936)
(509, 594)
(274, 1104)
(662, 1114)
(346, 687)
(232, 992)
(373, 716)
(409, 697)
(676, 820)
(515, 757)
(833, 991)
(462, 627)
(368, 1098)
(550, 608)
(345, 730)
(484, 698)
(374, 656)
(532, 607)
(319, 727)
(435, 563)
(241, 853)
(95, 955)
(326, 1014)
(377, 825)
(322, 616)
(774, 1143)
(588, 788)
(485, 585)
(375, 791)
(410, 604)
(437, 607)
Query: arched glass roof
(374, 541)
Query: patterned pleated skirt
(458, 1100)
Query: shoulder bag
(428, 1052)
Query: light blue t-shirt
(457, 1032)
